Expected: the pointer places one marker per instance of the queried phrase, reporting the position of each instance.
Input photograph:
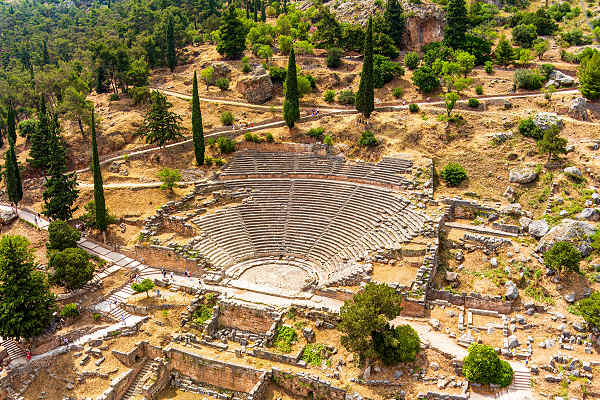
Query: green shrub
(528, 79)
(89, 217)
(454, 174)
(411, 60)
(546, 70)
(527, 128)
(385, 70)
(367, 139)
(208, 161)
(222, 83)
(226, 145)
(72, 268)
(413, 108)
(285, 336)
(329, 96)
(246, 67)
(248, 137)
(314, 354)
(479, 90)
(334, 57)
(278, 74)
(227, 118)
(397, 92)
(113, 97)
(489, 67)
(61, 236)
(219, 162)
(202, 314)
(139, 95)
(96, 316)
(69, 311)
(482, 365)
(269, 137)
(315, 132)
(346, 97)
(473, 103)
(328, 140)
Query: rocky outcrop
(424, 22)
(578, 109)
(575, 232)
(538, 228)
(220, 68)
(545, 120)
(559, 79)
(524, 175)
(257, 87)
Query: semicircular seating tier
(329, 223)
(390, 171)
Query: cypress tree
(255, 5)
(1, 138)
(45, 55)
(171, 54)
(38, 152)
(291, 104)
(12, 175)
(365, 98)
(394, 15)
(247, 9)
(61, 189)
(197, 130)
(101, 214)
(456, 24)
(11, 125)
(263, 12)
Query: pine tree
(12, 175)
(456, 24)
(394, 15)
(551, 143)
(171, 53)
(365, 98)
(38, 152)
(61, 189)
(589, 77)
(263, 12)
(100, 204)
(291, 104)
(233, 35)
(504, 53)
(197, 130)
(11, 127)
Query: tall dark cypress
(171, 53)
(247, 9)
(11, 126)
(38, 152)
(255, 6)
(263, 11)
(394, 16)
(291, 104)
(101, 214)
(456, 23)
(1, 138)
(45, 55)
(197, 130)
(365, 98)
(12, 175)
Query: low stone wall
(247, 317)
(165, 257)
(282, 358)
(219, 373)
(307, 386)
(119, 385)
(466, 209)
(442, 396)
(473, 300)
(133, 356)
(145, 310)
(43, 344)
(338, 294)
(413, 307)
(259, 390)
(325, 315)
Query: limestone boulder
(522, 176)
(538, 228)
(6, 217)
(589, 214)
(560, 79)
(512, 292)
(220, 70)
(573, 171)
(545, 120)
(256, 88)
(575, 232)
(578, 109)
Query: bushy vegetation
(226, 145)
(453, 174)
(346, 97)
(227, 118)
(72, 268)
(473, 103)
(285, 337)
(482, 365)
(329, 96)
(411, 60)
(314, 354)
(61, 236)
(528, 79)
(69, 311)
(368, 139)
(413, 108)
(562, 256)
(589, 309)
(529, 129)
(316, 133)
